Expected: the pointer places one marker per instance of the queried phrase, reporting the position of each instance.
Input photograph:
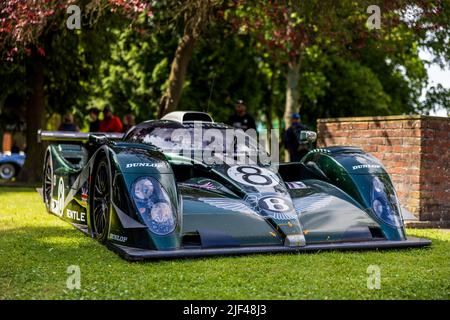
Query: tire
(101, 201)
(7, 171)
(47, 186)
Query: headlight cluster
(384, 202)
(154, 204)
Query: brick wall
(415, 152)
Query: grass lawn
(36, 249)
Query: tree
(27, 32)
(437, 97)
(134, 76)
(21, 24)
(289, 28)
(196, 15)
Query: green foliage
(345, 69)
(71, 61)
(224, 68)
(372, 81)
(132, 79)
(437, 97)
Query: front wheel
(101, 201)
(48, 183)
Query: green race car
(166, 189)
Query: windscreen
(176, 139)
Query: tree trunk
(292, 94)
(271, 103)
(269, 109)
(183, 54)
(35, 117)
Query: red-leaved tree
(26, 29)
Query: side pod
(146, 202)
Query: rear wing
(68, 136)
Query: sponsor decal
(75, 215)
(366, 166)
(116, 237)
(296, 185)
(84, 194)
(254, 176)
(145, 165)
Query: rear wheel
(101, 201)
(48, 183)
(7, 171)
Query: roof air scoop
(188, 116)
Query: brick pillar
(415, 152)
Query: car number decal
(60, 206)
(253, 176)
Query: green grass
(36, 248)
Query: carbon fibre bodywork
(158, 204)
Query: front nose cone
(279, 211)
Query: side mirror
(98, 139)
(308, 136)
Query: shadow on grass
(61, 243)
(52, 242)
(5, 189)
(13, 185)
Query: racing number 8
(253, 175)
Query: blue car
(10, 164)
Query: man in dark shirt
(241, 119)
(94, 123)
(291, 139)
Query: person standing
(110, 122)
(241, 119)
(68, 124)
(94, 121)
(292, 139)
(128, 122)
